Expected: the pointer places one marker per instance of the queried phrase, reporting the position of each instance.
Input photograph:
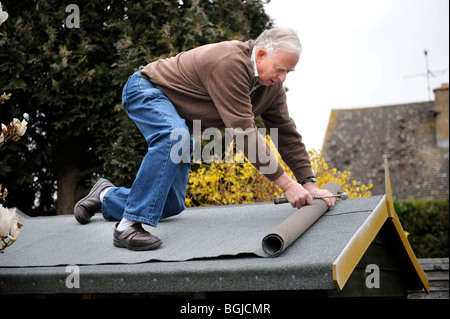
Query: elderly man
(222, 85)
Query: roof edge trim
(409, 251)
(352, 253)
(399, 229)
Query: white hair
(279, 39)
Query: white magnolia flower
(3, 133)
(8, 222)
(14, 232)
(3, 14)
(20, 127)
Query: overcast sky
(361, 53)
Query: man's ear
(261, 54)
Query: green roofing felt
(205, 249)
(194, 234)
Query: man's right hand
(298, 196)
(294, 192)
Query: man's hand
(299, 195)
(315, 191)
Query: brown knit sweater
(213, 83)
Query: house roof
(205, 249)
(359, 140)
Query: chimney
(441, 109)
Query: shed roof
(205, 249)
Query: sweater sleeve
(290, 144)
(229, 84)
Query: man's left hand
(315, 191)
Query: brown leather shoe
(135, 237)
(91, 204)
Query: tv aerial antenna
(428, 74)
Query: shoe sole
(79, 218)
(120, 244)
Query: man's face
(274, 69)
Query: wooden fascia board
(352, 253)
(399, 229)
(409, 251)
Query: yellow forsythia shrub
(324, 175)
(240, 182)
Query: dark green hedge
(427, 222)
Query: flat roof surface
(204, 249)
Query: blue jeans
(159, 189)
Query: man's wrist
(308, 180)
(284, 182)
(289, 186)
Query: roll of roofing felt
(296, 224)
